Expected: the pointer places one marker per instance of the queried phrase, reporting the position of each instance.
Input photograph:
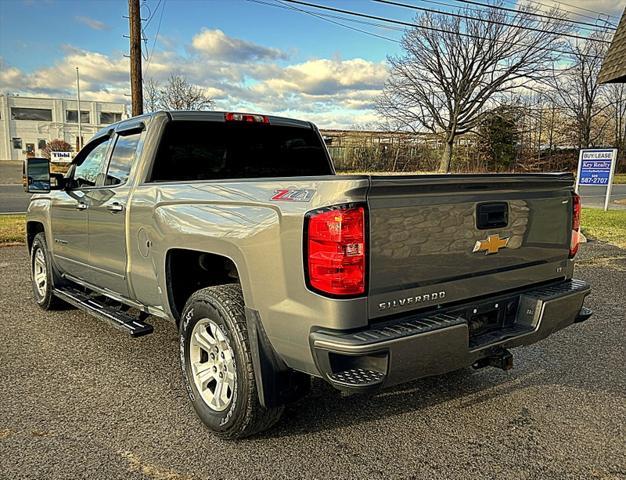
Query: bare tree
(176, 94)
(151, 95)
(179, 94)
(616, 98)
(577, 89)
(453, 69)
(56, 145)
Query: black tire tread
(229, 298)
(52, 302)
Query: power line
(458, 15)
(425, 27)
(152, 14)
(446, 4)
(389, 27)
(327, 18)
(514, 2)
(145, 42)
(559, 2)
(534, 14)
(322, 17)
(157, 35)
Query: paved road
(594, 196)
(81, 400)
(10, 172)
(13, 199)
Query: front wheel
(217, 364)
(42, 274)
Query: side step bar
(119, 319)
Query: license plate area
(490, 319)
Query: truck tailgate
(436, 239)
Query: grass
(619, 178)
(12, 229)
(608, 226)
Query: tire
(213, 322)
(42, 275)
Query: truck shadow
(539, 366)
(327, 409)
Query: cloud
(238, 75)
(591, 11)
(216, 44)
(595, 8)
(92, 23)
(326, 77)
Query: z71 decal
(293, 195)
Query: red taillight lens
(246, 117)
(335, 250)
(576, 207)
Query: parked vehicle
(275, 269)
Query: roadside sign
(596, 168)
(61, 157)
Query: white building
(27, 123)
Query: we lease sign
(595, 168)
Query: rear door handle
(82, 206)
(115, 207)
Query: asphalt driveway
(79, 399)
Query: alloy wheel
(212, 364)
(40, 273)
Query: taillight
(576, 207)
(336, 250)
(246, 117)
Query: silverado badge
(492, 244)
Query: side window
(122, 158)
(86, 174)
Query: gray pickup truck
(235, 227)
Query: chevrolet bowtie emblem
(491, 245)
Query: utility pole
(80, 131)
(136, 83)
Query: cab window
(91, 165)
(122, 158)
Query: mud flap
(276, 383)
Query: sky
(246, 55)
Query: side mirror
(37, 175)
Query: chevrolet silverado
(275, 269)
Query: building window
(109, 117)
(17, 143)
(40, 114)
(71, 116)
(41, 144)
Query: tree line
(520, 87)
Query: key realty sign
(596, 168)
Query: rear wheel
(42, 274)
(217, 364)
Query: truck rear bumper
(420, 345)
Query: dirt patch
(136, 465)
(617, 263)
